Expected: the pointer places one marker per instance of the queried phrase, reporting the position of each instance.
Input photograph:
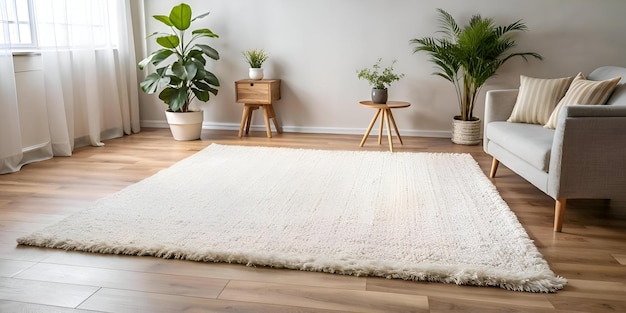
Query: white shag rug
(413, 216)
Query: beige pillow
(583, 91)
(537, 98)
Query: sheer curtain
(89, 77)
(10, 141)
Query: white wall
(316, 46)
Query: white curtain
(10, 142)
(89, 78)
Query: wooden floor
(590, 252)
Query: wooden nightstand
(254, 94)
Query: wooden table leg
(380, 127)
(251, 110)
(244, 118)
(268, 128)
(369, 128)
(393, 122)
(386, 117)
(273, 116)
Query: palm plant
(469, 56)
(186, 78)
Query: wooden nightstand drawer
(257, 91)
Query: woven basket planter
(466, 132)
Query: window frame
(5, 24)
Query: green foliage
(186, 78)
(255, 57)
(468, 56)
(377, 79)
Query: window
(40, 24)
(17, 24)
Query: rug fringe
(547, 282)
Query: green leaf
(174, 97)
(180, 16)
(153, 34)
(200, 69)
(175, 81)
(153, 82)
(213, 91)
(179, 70)
(166, 94)
(202, 86)
(143, 63)
(202, 95)
(198, 58)
(212, 79)
(210, 52)
(155, 58)
(170, 41)
(201, 75)
(161, 56)
(205, 32)
(161, 71)
(179, 100)
(200, 16)
(191, 69)
(163, 19)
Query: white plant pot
(255, 73)
(185, 125)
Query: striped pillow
(583, 91)
(537, 98)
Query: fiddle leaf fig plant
(185, 78)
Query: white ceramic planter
(185, 126)
(255, 73)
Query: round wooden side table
(386, 117)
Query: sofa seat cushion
(530, 142)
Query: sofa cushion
(530, 142)
(583, 91)
(607, 72)
(537, 98)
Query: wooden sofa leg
(494, 167)
(559, 213)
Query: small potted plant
(255, 59)
(379, 80)
(184, 77)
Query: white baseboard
(153, 124)
(299, 129)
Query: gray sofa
(583, 158)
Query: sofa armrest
(588, 150)
(498, 107)
(499, 104)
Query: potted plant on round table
(468, 57)
(379, 81)
(185, 78)
(255, 59)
